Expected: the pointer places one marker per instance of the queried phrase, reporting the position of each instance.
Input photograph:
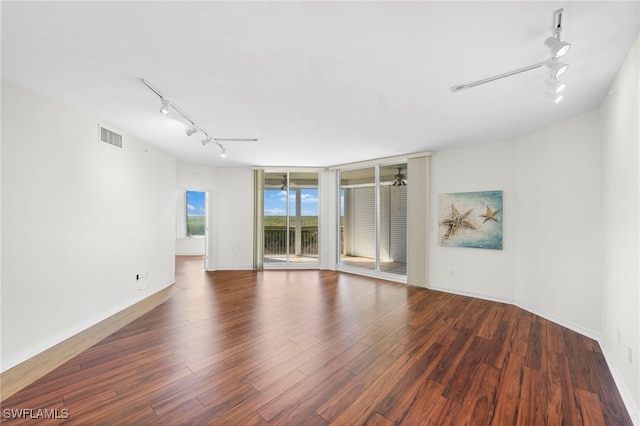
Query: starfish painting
(490, 215)
(467, 229)
(457, 221)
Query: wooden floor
(322, 347)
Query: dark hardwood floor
(322, 347)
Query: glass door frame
(377, 209)
(287, 263)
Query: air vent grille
(112, 138)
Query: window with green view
(195, 213)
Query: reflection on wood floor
(325, 347)
(367, 263)
(282, 258)
(399, 268)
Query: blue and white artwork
(471, 219)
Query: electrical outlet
(629, 353)
(137, 277)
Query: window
(196, 213)
(290, 218)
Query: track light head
(556, 69)
(556, 96)
(555, 86)
(558, 48)
(192, 130)
(165, 106)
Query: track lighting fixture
(192, 130)
(164, 109)
(165, 106)
(557, 97)
(494, 78)
(556, 69)
(556, 47)
(555, 86)
(236, 140)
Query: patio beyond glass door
(373, 218)
(290, 218)
(358, 218)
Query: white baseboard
(625, 393)
(560, 321)
(373, 274)
(22, 356)
(470, 294)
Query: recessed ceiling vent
(112, 138)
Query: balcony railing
(275, 241)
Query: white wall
(488, 273)
(621, 194)
(571, 224)
(551, 219)
(231, 237)
(194, 177)
(80, 219)
(558, 213)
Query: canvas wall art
(471, 219)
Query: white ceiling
(320, 83)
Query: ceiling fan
(166, 107)
(399, 179)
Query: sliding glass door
(358, 218)
(290, 222)
(373, 218)
(393, 219)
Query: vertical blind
(393, 223)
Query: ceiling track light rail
(557, 48)
(463, 86)
(164, 109)
(167, 105)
